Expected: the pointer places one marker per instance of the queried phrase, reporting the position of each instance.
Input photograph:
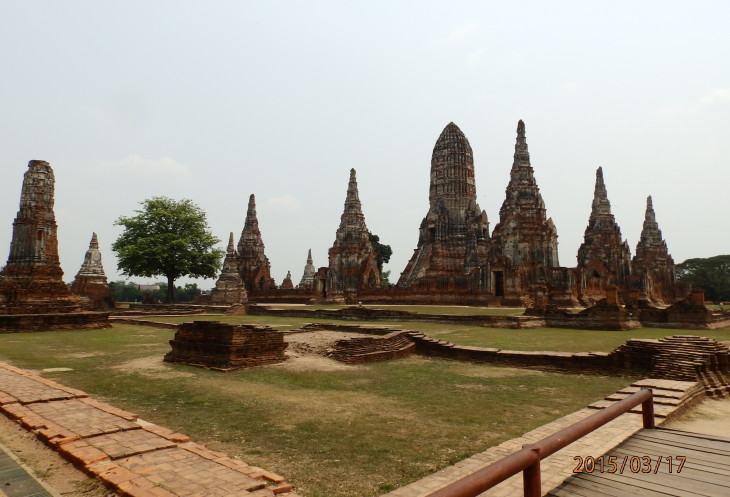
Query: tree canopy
(712, 274)
(383, 251)
(167, 238)
(124, 291)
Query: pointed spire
(251, 220)
(352, 213)
(307, 281)
(229, 288)
(92, 260)
(352, 193)
(601, 205)
(523, 215)
(603, 245)
(253, 264)
(651, 235)
(522, 156)
(351, 257)
(652, 261)
(649, 216)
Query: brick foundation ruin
(225, 347)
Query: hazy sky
(213, 101)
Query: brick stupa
(453, 240)
(253, 265)
(90, 282)
(287, 283)
(604, 255)
(229, 288)
(652, 263)
(524, 233)
(352, 258)
(33, 296)
(33, 278)
(307, 281)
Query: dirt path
(48, 465)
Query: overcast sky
(213, 101)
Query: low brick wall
(225, 347)
(394, 345)
(565, 362)
(23, 323)
(135, 308)
(145, 322)
(369, 314)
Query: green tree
(167, 238)
(712, 274)
(383, 251)
(123, 291)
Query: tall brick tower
(524, 234)
(604, 256)
(652, 263)
(253, 265)
(453, 240)
(352, 258)
(33, 278)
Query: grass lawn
(357, 431)
(421, 309)
(554, 339)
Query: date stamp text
(629, 464)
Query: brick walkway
(135, 457)
(559, 466)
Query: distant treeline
(123, 291)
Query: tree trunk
(170, 298)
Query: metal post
(531, 475)
(647, 411)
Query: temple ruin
(604, 256)
(229, 288)
(457, 261)
(652, 265)
(307, 281)
(90, 282)
(253, 265)
(32, 291)
(33, 278)
(453, 239)
(352, 259)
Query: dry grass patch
(352, 432)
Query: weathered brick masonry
(225, 347)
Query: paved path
(17, 480)
(138, 458)
(559, 466)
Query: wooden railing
(528, 459)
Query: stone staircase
(394, 345)
(671, 397)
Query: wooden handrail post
(647, 411)
(531, 478)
